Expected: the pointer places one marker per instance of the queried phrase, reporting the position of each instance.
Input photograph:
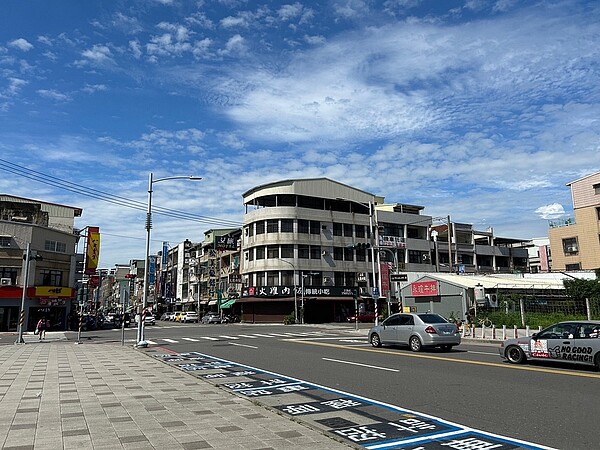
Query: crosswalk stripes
(248, 336)
(229, 337)
(209, 338)
(189, 339)
(170, 341)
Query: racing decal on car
(573, 353)
(539, 349)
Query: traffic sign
(375, 292)
(398, 277)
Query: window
(260, 278)
(596, 188)
(348, 254)
(576, 266)
(272, 251)
(5, 241)
(287, 251)
(598, 212)
(287, 278)
(272, 226)
(315, 227)
(54, 246)
(361, 254)
(359, 230)
(250, 255)
(303, 251)
(51, 277)
(302, 226)
(287, 225)
(337, 229)
(338, 278)
(260, 227)
(8, 272)
(260, 253)
(272, 278)
(570, 246)
(338, 253)
(415, 257)
(348, 229)
(315, 252)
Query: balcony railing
(561, 223)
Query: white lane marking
(170, 340)
(151, 342)
(262, 335)
(247, 336)
(278, 334)
(359, 364)
(209, 338)
(229, 337)
(243, 345)
(190, 339)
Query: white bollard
(516, 333)
(494, 332)
(503, 332)
(527, 333)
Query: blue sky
(482, 110)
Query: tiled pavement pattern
(59, 395)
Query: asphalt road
(551, 405)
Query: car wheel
(415, 344)
(446, 348)
(375, 341)
(515, 354)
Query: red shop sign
(424, 288)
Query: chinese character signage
(151, 270)
(225, 243)
(424, 289)
(92, 251)
(288, 291)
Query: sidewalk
(56, 394)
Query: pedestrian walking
(41, 327)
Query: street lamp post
(295, 291)
(20, 339)
(141, 342)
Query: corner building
(308, 250)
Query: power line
(108, 197)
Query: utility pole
(449, 244)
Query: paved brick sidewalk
(59, 395)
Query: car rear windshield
(432, 318)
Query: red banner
(385, 278)
(424, 289)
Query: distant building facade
(576, 243)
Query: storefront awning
(228, 303)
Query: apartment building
(575, 242)
(48, 274)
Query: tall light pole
(295, 290)
(141, 342)
(27, 256)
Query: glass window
(287, 278)
(348, 254)
(570, 246)
(260, 279)
(303, 251)
(392, 321)
(5, 241)
(348, 230)
(337, 229)
(260, 227)
(260, 253)
(432, 318)
(250, 255)
(406, 320)
(338, 253)
(51, 277)
(415, 257)
(596, 189)
(272, 251)
(302, 226)
(559, 331)
(361, 254)
(272, 278)
(315, 252)
(53, 246)
(287, 251)
(287, 225)
(315, 227)
(359, 230)
(272, 226)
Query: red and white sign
(424, 288)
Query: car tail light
(430, 330)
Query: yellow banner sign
(53, 291)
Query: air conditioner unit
(5, 281)
(324, 253)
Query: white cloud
(98, 55)
(44, 40)
(21, 44)
(235, 45)
(552, 211)
(135, 48)
(314, 40)
(15, 85)
(350, 9)
(91, 88)
(230, 22)
(288, 12)
(53, 95)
